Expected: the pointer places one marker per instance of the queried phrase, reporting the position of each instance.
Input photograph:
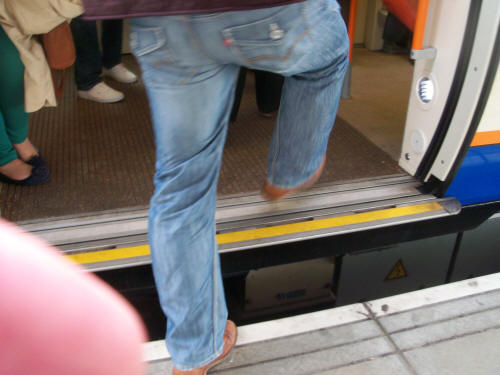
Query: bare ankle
(25, 150)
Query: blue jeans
(190, 65)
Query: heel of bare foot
(16, 170)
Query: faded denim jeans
(190, 65)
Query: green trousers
(13, 119)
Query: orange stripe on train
(486, 138)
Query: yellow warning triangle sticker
(398, 271)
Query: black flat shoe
(37, 161)
(39, 175)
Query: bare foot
(25, 150)
(16, 170)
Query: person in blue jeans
(190, 64)
(91, 62)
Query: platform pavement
(449, 329)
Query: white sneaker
(120, 74)
(101, 93)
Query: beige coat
(21, 20)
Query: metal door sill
(115, 241)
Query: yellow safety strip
(268, 232)
(107, 255)
(308, 226)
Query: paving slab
(441, 311)
(319, 350)
(387, 365)
(476, 354)
(450, 329)
(323, 339)
(446, 330)
(317, 361)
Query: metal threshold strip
(117, 241)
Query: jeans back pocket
(273, 38)
(146, 40)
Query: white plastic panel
(445, 28)
(490, 121)
(473, 84)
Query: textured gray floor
(459, 337)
